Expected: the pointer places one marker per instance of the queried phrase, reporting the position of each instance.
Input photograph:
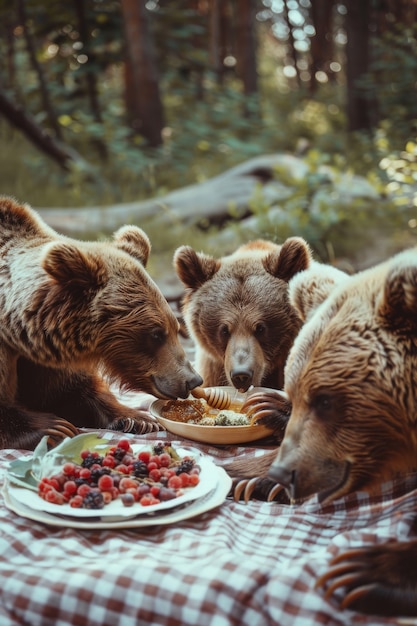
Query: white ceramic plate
(116, 510)
(218, 435)
(210, 501)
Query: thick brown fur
(351, 379)
(236, 309)
(71, 312)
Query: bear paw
(258, 488)
(270, 408)
(135, 426)
(379, 580)
(61, 429)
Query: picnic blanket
(239, 564)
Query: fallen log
(211, 202)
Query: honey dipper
(216, 398)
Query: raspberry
(124, 444)
(175, 482)
(105, 482)
(155, 474)
(109, 461)
(76, 502)
(53, 496)
(83, 490)
(144, 456)
(107, 497)
(165, 460)
(68, 469)
(70, 487)
(185, 479)
(194, 479)
(127, 483)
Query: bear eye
(260, 329)
(157, 336)
(323, 403)
(224, 331)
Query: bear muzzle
(304, 478)
(174, 387)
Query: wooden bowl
(218, 435)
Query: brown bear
(71, 311)
(236, 310)
(351, 384)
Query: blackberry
(93, 500)
(140, 469)
(185, 466)
(158, 448)
(81, 481)
(90, 460)
(119, 454)
(97, 473)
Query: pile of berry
(149, 477)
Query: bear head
(237, 311)
(351, 377)
(85, 305)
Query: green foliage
(337, 212)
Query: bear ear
(193, 268)
(293, 257)
(397, 304)
(134, 241)
(70, 267)
(308, 289)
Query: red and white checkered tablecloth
(252, 564)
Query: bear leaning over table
(237, 311)
(71, 311)
(351, 383)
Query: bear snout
(241, 378)
(172, 387)
(282, 475)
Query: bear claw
(134, 426)
(259, 488)
(60, 430)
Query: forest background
(105, 102)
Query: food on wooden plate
(148, 477)
(201, 413)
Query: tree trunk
(322, 42)
(360, 105)
(291, 44)
(31, 48)
(90, 77)
(143, 97)
(246, 46)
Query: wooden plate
(218, 435)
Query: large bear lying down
(351, 385)
(69, 311)
(237, 311)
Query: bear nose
(241, 379)
(194, 381)
(282, 475)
